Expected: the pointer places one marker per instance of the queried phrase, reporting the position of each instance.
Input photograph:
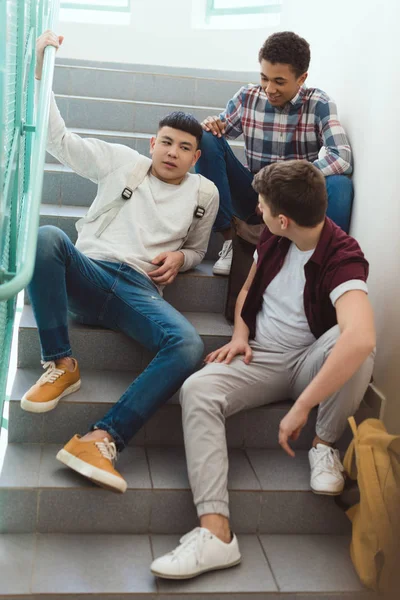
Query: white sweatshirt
(157, 217)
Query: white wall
(355, 58)
(161, 32)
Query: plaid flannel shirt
(300, 129)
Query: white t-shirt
(157, 217)
(282, 324)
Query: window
(112, 12)
(242, 7)
(238, 14)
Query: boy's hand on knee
(228, 352)
(215, 125)
(48, 38)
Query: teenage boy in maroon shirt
(304, 329)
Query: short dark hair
(294, 188)
(287, 48)
(184, 122)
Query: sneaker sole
(42, 407)
(192, 575)
(98, 476)
(321, 493)
(221, 272)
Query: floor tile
(301, 512)
(21, 466)
(95, 564)
(278, 471)
(311, 563)
(16, 560)
(94, 511)
(18, 510)
(252, 575)
(169, 471)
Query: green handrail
(22, 153)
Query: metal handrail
(29, 224)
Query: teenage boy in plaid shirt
(280, 119)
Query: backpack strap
(139, 172)
(205, 193)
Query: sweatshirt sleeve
(88, 157)
(195, 246)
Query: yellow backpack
(373, 458)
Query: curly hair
(287, 48)
(295, 188)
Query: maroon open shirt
(336, 259)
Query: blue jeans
(237, 197)
(115, 296)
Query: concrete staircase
(61, 536)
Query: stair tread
(157, 73)
(34, 466)
(105, 564)
(207, 324)
(101, 387)
(147, 103)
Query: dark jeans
(115, 296)
(237, 197)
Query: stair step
(220, 75)
(189, 289)
(257, 428)
(137, 141)
(135, 85)
(106, 567)
(98, 348)
(65, 218)
(269, 493)
(123, 115)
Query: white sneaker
(224, 263)
(198, 551)
(326, 470)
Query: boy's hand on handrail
(48, 38)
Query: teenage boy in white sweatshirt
(149, 221)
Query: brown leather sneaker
(51, 387)
(94, 460)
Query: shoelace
(226, 248)
(192, 541)
(329, 460)
(52, 373)
(107, 449)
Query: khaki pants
(218, 391)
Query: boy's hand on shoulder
(215, 125)
(170, 263)
(228, 352)
(48, 38)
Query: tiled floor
(119, 564)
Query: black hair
(184, 122)
(287, 48)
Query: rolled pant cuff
(119, 442)
(213, 508)
(52, 357)
(328, 436)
